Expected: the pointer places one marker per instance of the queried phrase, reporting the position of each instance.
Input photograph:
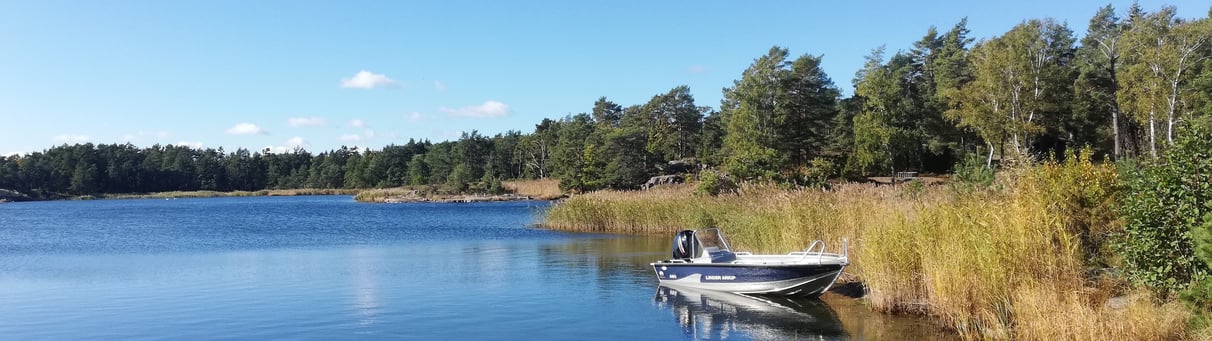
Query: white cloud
(366, 80)
(698, 69)
(306, 121)
(289, 146)
(438, 85)
(356, 123)
(365, 135)
(10, 154)
(296, 142)
(191, 144)
(71, 138)
(246, 129)
(488, 109)
(278, 149)
(415, 116)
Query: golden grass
(1006, 263)
(1078, 315)
(381, 194)
(542, 189)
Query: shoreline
(460, 198)
(939, 251)
(185, 194)
(217, 194)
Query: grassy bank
(544, 189)
(211, 194)
(1025, 258)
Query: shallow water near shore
(325, 267)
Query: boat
(702, 259)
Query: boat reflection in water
(705, 314)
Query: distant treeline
(1126, 89)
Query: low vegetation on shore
(1030, 255)
(212, 194)
(542, 189)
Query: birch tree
(1166, 50)
(1021, 80)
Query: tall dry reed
(1000, 263)
(544, 189)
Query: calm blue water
(326, 267)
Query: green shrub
(713, 183)
(913, 188)
(971, 173)
(1164, 216)
(817, 174)
(495, 187)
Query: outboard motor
(684, 245)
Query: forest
(1126, 89)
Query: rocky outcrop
(662, 180)
(7, 195)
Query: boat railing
(808, 252)
(821, 254)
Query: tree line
(1126, 89)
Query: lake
(325, 267)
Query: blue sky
(278, 74)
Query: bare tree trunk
(1152, 136)
(1172, 106)
(1109, 48)
(1170, 130)
(1115, 133)
(989, 159)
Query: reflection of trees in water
(717, 315)
(611, 258)
(862, 323)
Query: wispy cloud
(487, 110)
(191, 144)
(415, 116)
(246, 129)
(296, 142)
(367, 80)
(71, 138)
(289, 146)
(438, 85)
(364, 136)
(10, 154)
(357, 123)
(306, 122)
(698, 69)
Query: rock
(7, 195)
(663, 180)
(681, 166)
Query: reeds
(542, 189)
(381, 194)
(1005, 263)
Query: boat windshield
(712, 237)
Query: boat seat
(722, 256)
